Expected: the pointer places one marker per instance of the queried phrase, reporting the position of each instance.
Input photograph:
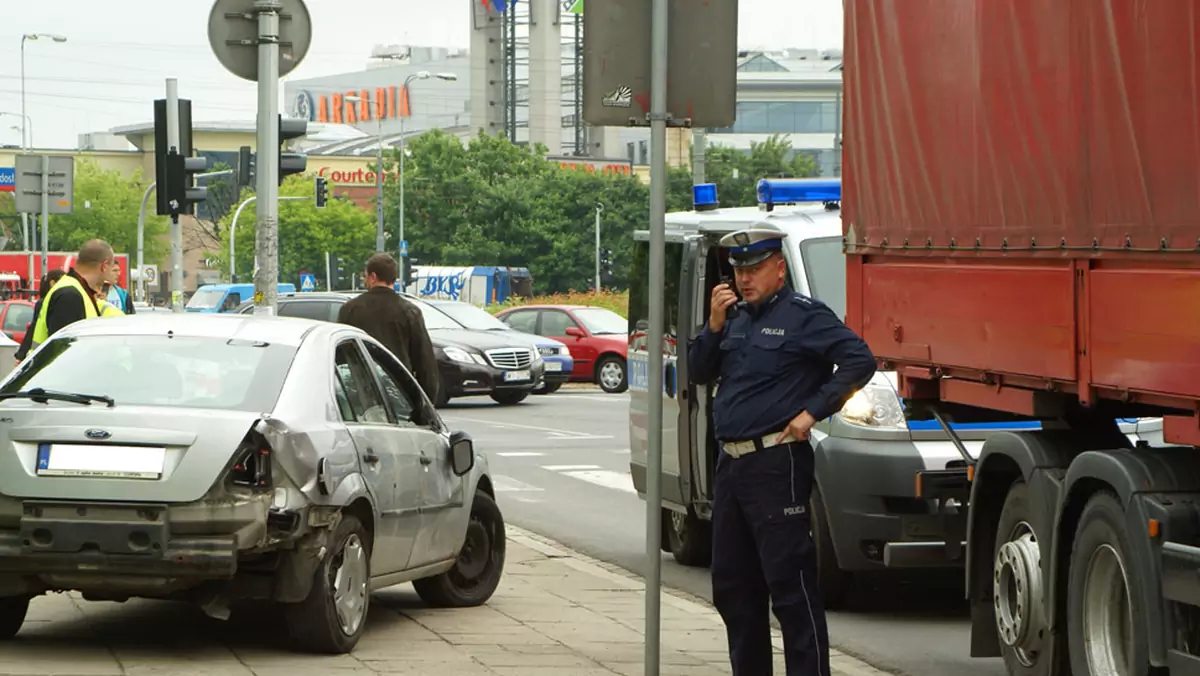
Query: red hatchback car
(597, 338)
(15, 318)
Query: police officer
(774, 357)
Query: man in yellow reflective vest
(74, 296)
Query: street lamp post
(423, 75)
(31, 37)
(26, 123)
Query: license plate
(100, 461)
(553, 367)
(510, 376)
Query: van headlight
(875, 405)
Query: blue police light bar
(772, 191)
(704, 197)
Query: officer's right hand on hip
(722, 298)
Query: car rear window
(178, 371)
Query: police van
(867, 514)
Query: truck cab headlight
(877, 405)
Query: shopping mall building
(405, 91)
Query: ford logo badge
(97, 434)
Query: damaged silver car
(218, 460)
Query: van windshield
(825, 265)
(205, 299)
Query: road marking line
(606, 478)
(507, 484)
(568, 468)
(551, 430)
(621, 451)
(520, 454)
(574, 436)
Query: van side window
(639, 295)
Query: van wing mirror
(462, 453)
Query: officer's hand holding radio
(722, 298)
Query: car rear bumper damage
(118, 550)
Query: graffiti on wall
(448, 286)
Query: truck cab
(867, 513)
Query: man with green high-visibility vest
(74, 296)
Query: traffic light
(245, 168)
(322, 193)
(291, 163)
(176, 191)
(408, 270)
(336, 272)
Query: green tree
(736, 173)
(306, 234)
(106, 206)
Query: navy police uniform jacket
(776, 360)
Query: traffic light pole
(599, 208)
(176, 228)
(266, 276)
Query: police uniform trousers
(763, 556)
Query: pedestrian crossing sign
(308, 282)
(404, 248)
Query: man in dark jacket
(44, 288)
(393, 321)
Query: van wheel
(12, 615)
(834, 581)
(333, 617)
(690, 539)
(611, 376)
(480, 564)
(1103, 597)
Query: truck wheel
(1102, 596)
(12, 615)
(1017, 587)
(333, 617)
(690, 539)
(476, 573)
(833, 581)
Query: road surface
(562, 470)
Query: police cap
(753, 245)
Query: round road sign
(149, 274)
(233, 35)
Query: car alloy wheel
(348, 572)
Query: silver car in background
(222, 459)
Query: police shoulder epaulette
(802, 299)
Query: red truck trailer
(21, 271)
(1022, 227)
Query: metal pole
(599, 208)
(232, 233)
(403, 152)
(176, 227)
(699, 155)
(266, 276)
(379, 243)
(141, 287)
(328, 274)
(45, 213)
(24, 116)
(837, 136)
(658, 211)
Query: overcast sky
(120, 52)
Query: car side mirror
(462, 453)
(574, 331)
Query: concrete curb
(843, 664)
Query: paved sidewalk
(556, 613)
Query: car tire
(689, 538)
(549, 388)
(509, 398)
(443, 396)
(315, 624)
(12, 615)
(480, 563)
(611, 375)
(832, 580)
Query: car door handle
(370, 457)
(426, 460)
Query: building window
(629, 150)
(784, 117)
(643, 152)
(761, 64)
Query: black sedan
(470, 362)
